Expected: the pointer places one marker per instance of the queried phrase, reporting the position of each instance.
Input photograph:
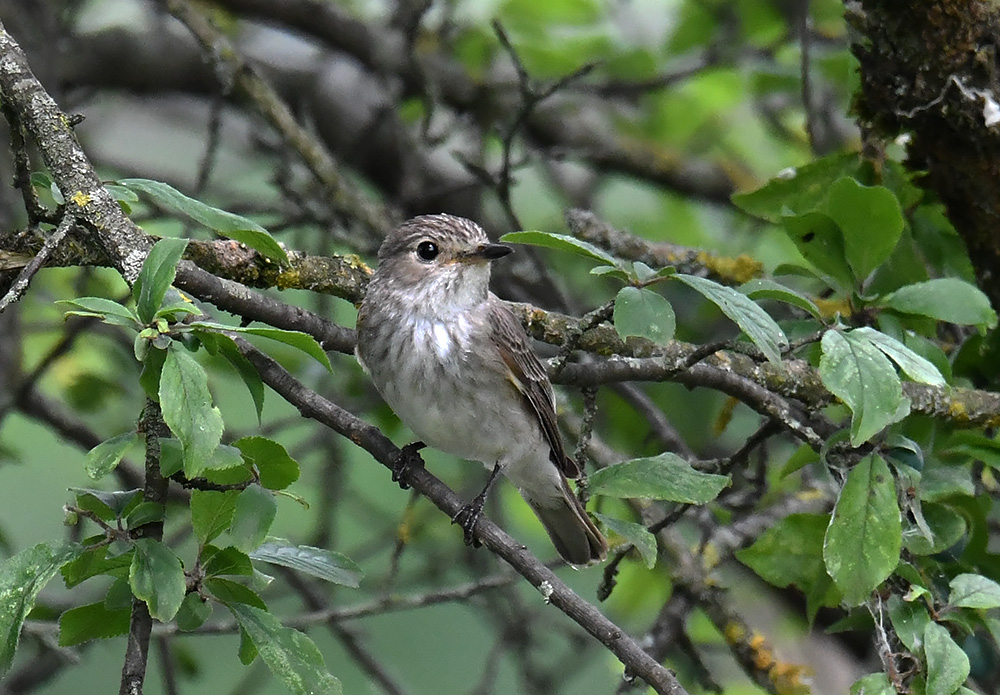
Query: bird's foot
(467, 517)
(469, 514)
(408, 458)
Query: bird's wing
(529, 377)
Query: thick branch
(86, 198)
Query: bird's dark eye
(427, 251)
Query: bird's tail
(574, 535)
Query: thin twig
(20, 285)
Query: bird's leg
(469, 514)
(408, 457)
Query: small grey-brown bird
(455, 365)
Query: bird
(456, 366)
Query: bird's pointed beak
(487, 252)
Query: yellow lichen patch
(734, 633)
(80, 198)
(763, 657)
(709, 556)
(957, 410)
(790, 679)
(725, 416)
(290, 279)
(741, 269)
(829, 308)
(353, 260)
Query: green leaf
(865, 534)
(947, 664)
(873, 684)
(107, 505)
(797, 191)
(104, 457)
(862, 377)
(156, 276)
(636, 534)
(230, 592)
(301, 341)
(22, 577)
(225, 223)
(289, 654)
(252, 518)
(869, 218)
(947, 527)
(974, 591)
(944, 299)
(193, 613)
(107, 310)
(144, 513)
(93, 621)
(644, 313)
(909, 619)
(227, 560)
(663, 477)
(915, 366)
(820, 241)
(212, 512)
(93, 562)
(188, 411)
(157, 577)
(756, 323)
(791, 553)
(762, 288)
(277, 469)
(248, 373)
(324, 564)
(562, 242)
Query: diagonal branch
(553, 589)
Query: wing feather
(528, 375)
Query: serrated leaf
(226, 560)
(791, 553)
(762, 288)
(248, 373)
(947, 664)
(870, 219)
(944, 299)
(873, 684)
(93, 621)
(229, 592)
(289, 654)
(820, 241)
(909, 620)
(663, 477)
(144, 513)
(862, 377)
(92, 562)
(157, 577)
(188, 411)
(106, 504)
(974, 591)
(636, 534)
(156, 276)
(104, 457)
(277, 469)
(644, 313)
(252, 517)
(915, 366)
(797, 191)
(107, 310)
(756, 323)
(193, 613)
(864, 538)
(225, 223)
(562, 242)
(22, 577)
(317, 562)
(212, 512)
(300, 341)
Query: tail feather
(573, 534)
